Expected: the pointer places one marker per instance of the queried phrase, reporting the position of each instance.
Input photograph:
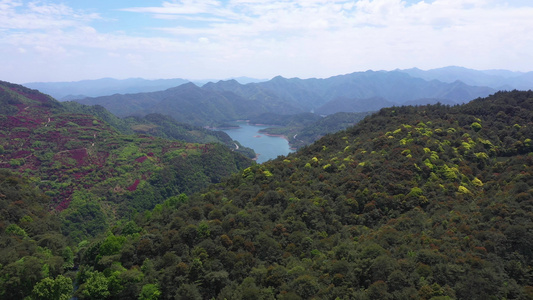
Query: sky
(71, 40)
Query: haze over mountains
(223, 101)
(64, 91)
(496, 79)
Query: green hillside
(81, 159)
(429, 202)
(159, 125)
(191, 104)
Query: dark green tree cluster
(429, 202)
(34, 255)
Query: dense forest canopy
(426, 202)
(429, 202)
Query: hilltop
(427, 202)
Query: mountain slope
(158, 125)
(353, 105)
(31, 244)
(428, 202)
(189, 103)
(78, 156)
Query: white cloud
(15, 15)
(304, 38)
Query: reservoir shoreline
(266, 146)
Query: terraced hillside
(67, 154)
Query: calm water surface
(267, 147)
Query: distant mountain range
(312, 90)
(65, 91)
(496, 79)
(191, 104)
(223, 101)
(393, 86)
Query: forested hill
(79, 158)
(429, 202)
(191, 104)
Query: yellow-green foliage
(415, 192)
(481, 155)
(267, 173)
(429, 164)
(405, 141)
(449, 173)
(434, 156)
(174, 153)
(463, 190)
(466, 145)
(476, 126)
(130, 151)
(486, 143)
(477, 182)
(247, 173)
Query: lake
(267, 147)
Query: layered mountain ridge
(224, 101)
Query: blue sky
(197, 39)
